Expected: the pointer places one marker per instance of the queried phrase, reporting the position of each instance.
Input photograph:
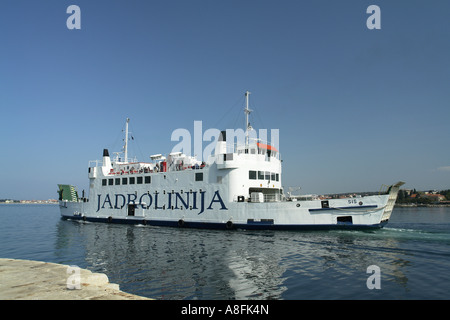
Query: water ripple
(172, 263)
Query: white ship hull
(167, 209)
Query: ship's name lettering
(196, 200)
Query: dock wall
(36, 280)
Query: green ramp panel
(67, 192)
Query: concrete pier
(35, 280)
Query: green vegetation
(423, 197)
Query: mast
(247, 112)
(126, 141)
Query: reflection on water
(172, 263)
(412, 253)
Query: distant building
(434, 196)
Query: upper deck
(245, 167)
(224, 157)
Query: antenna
(247, 111)
(126, 141)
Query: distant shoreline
(30, 202)
(415, 205)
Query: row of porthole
(228, 225)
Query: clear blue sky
(356, 108)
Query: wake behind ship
(239, 187)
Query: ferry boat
(236, 189)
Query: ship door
(131, 208)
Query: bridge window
(252, 175)
(260, 175)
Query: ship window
(110, 182)
(277, 177)
(124, 180)
(117, 181)
(148, 179)
(104, 182)
(199, 176)
(139, 180)
(261, 175)
(132, 180)
(272, 176)
(252, 175)
(267, 175)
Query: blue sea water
(412, 253)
